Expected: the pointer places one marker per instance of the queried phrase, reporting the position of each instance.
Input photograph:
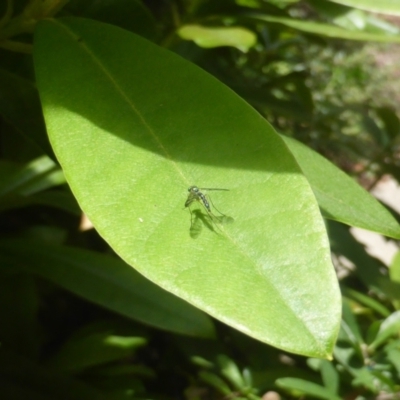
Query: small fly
(196, 194)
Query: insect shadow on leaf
(198, 218)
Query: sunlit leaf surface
(133, 127)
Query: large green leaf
(391, 7)
(339, 196)
(134, 126)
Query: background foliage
(78, 323)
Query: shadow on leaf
(200, 219)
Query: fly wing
(227, 190)
(191, 198)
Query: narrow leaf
(367, 301)
(327, 30)
(330, 376)
(88, 350)
(339, 196)
(209, 37)
(389, 327)
(24, 184)
(306, 388)
(391, 7)
(110, 283)
(24, 179)
(20, 107)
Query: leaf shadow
(183, 114)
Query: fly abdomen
(205, 202)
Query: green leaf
(209, 37)
(110, 283)
(215, 381)
(24, 179)
(134, 126)
(330, 376)
(339, 196)
(21, 185)
(384, 382)
(364, 378)
(389, 327)
(62, 200)
(20, 107)
(301, 386)
(353, 19)
(394, 270)
(378, 135)
(90, 349)
(367, 301)
(391, 7)
(372, 331)
(350, 324)
(231, 372)
(327, 30)
(390, 121)
(392, 351)
(394, 273)
(354, 364)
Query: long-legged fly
(196, 194)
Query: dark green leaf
(19, 303)
(351, 323)
(23, 377)
(110, 283)
(390, 120)
(90, 349)
(20, 106)
(128, 14)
